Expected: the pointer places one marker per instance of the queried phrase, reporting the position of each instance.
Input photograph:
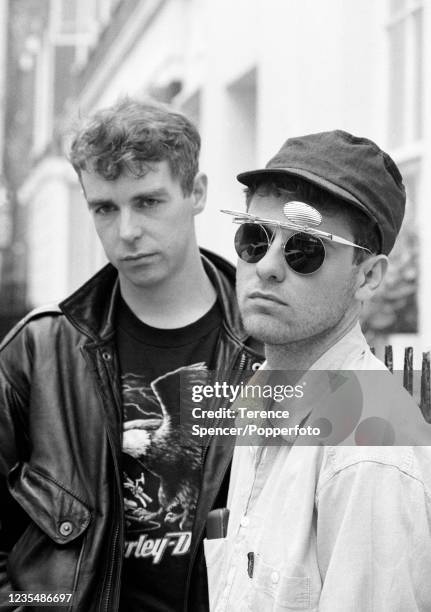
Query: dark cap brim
(248, 178)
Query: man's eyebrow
(157, 192)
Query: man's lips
(136, 256)
(270, 297)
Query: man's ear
(370, 276)
(199, 192)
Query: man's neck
(177, 303)
(302, 354)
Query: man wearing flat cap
(330, 498)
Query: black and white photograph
(215, 330)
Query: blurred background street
(250, 73)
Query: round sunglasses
(304, 251)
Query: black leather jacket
(61, 502)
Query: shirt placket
(261, 458)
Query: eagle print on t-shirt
(162, 462)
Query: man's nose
(130, 226)
(273, 265)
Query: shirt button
(275, 577)
(66, 528)
(244, 522)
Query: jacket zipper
(199, 535)
(117, 526)
(106, 596)
(116, 531)
(111, 569)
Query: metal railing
(424, 395)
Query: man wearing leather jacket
(102, 497)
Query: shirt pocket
(215, 559)
(274, 590)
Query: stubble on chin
(266, 330)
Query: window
(72, 18)
(74, 24)
(405, 48)
(68, 17)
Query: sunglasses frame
(241, 217)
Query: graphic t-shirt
(161, 467)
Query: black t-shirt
(161, 468)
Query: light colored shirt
(328, 528)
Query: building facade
(250, 74)
(21, 22)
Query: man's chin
(266, 329)
(142, 279)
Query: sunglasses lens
(304, 253)
(251, 242)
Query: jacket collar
(91, 308)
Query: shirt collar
(351, 346)
(344, 352)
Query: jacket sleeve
(374, 540)
(13, 519)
